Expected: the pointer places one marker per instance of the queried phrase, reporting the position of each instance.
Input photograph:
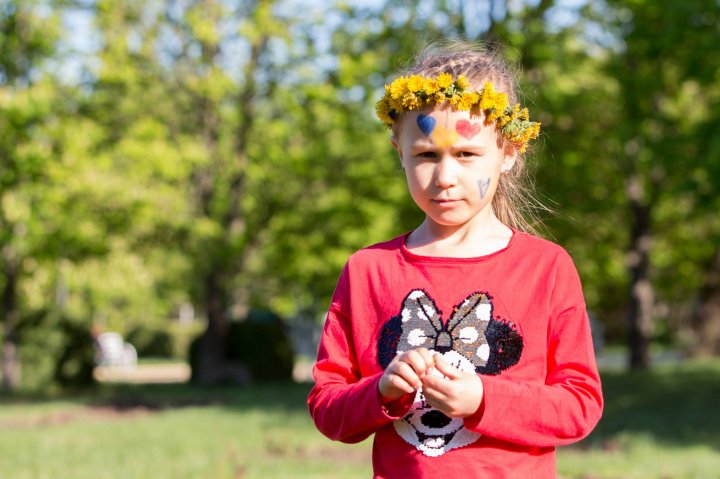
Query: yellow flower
(431, 86)
(493, 101)
(382, 109)
(396, 103)
(398, 88)
(503, 120)
(411, 101)
(444, 80)
(462, 82)
(415, 83)
(456, 101)
(470, 99)
(437, 98)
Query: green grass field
(662, 424)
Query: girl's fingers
(400, 383)
(407, 372)
(435, 398)
(436, 383)
(427, 357)
(417, 359)
(446, 369)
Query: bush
(151, 342)
(260, 343)
(56, 351)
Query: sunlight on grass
(638, 456)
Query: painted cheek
(483, 186)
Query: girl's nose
(446, 175)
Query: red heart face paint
(467, 129)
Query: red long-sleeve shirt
(517, 317)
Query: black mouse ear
(388, 341)
(505, 345)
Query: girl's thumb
(446, 368)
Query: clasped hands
(456, 393)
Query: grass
(660, 424)
(657, 425)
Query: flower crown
(415, 92)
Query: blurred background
(182, 181)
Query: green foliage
(56, 352)
(163, 340)
(150, 342)
(260, 343)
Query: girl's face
(452, 162)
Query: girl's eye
(426, 154)
(467, 154)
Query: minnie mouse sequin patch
(472, 340)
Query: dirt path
(145, 373)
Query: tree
(26, 98)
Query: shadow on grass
(287, 396)
(675, 405)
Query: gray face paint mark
(483, 185)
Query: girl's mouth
(446, 202)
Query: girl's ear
(396, 145)
(509, 161)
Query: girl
(464, 345)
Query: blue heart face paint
(483, 185)
(426, 124)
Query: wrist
(396, 407)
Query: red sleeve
(344, 405)
(569, 404)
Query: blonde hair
(513, 203)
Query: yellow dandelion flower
(396, 103)
(471, 99)
(503, 119)
(411, 101)
(444, 80)
(437, 98)
(398, 88)
(415, 83)
(382, 109)
(430, 86)
(456, 101)
(462, 82)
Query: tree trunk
(9, 313)
(213, 366)
(642, 296)
(706, 316)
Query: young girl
(464, 345)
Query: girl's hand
(404, 374)
(458, 394)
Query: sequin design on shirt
(472, 340)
